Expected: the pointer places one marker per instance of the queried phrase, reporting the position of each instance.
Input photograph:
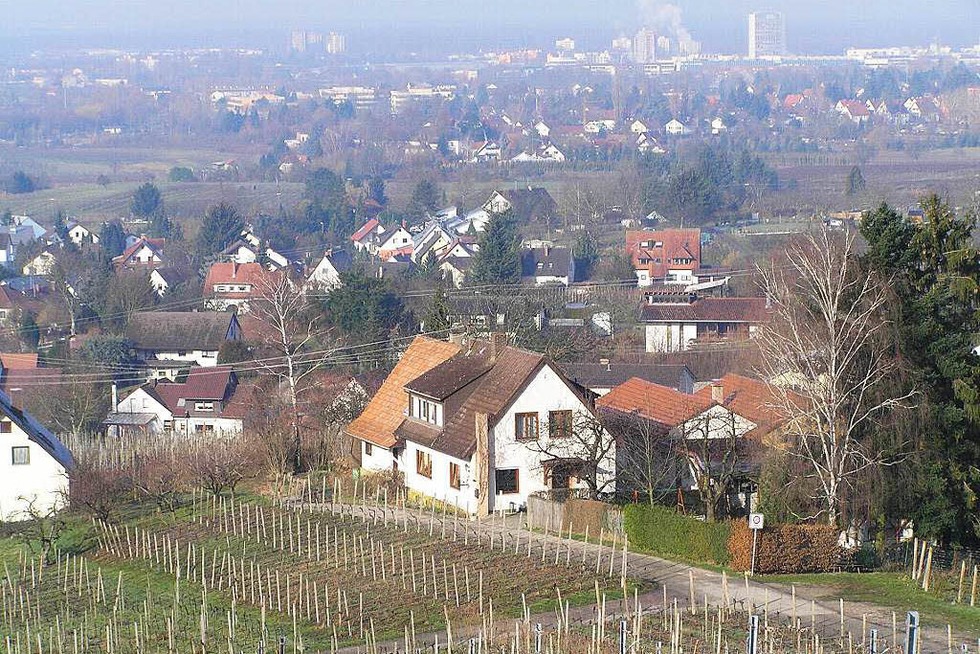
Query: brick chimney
(234, 268)
(498, 342)
(718, 392)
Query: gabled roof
(447, 378)
(365, 230)
(379, 420)
(231, 273)
(750, 398)
(544, 262)
(36, 432)
(206, 384)
(654, 402)
(168, 331)
(677, 244)
(494, 392)
(155, 244)
(18, 360)
(709, 309)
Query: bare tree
(712, 446)
(294, 333)
(827, 351)
(578, 444)
(646, 455)
(220, 466)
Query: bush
(663, 531)
(786, 549)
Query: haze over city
(813, 26)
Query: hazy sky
(813, 25)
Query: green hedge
(665, 532)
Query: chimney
(16, 398)
(718, 392)
(457, 334)
(115, 396)
(234, 268)
(498, 342)
(605, 362)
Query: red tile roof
(676, 244)
(750, 398)
(366, 229)
(18, 361)
(660, 404)
(253, 275)
(155, 244)
(709, 309)
(386, 410)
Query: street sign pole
(756, 522)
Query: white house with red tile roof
(671, 256)
(146, 253)
(395, 242)
(854, 110)
(480, 426)
(229, 284)
(367, 237)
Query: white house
(639, 127)
(79, 234)
(485, 151)
(182, 336)
(676, 128)
(542, 129)
(480, 426)
(325, 276)
(41, 266)
(673, 323)
(548, 265)
(366, 238)
(35, 472)
(718, 126)
(394, 242)
(207, 401)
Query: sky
(813, 26)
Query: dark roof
(36, 432)
(447, 378)
(174, 275)
(340, 260)
(598, 375)
(546, 262)
(493, 394)
(530, 203)
(709, 309)
(180, 330)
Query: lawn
(892, 590)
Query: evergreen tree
(855, 182)
(364, 307)
(499, 258)
(376, 190)
(586, 253)
(222, 225)
(112, 239)
(147, 201)
(934, 270)
(425, 199)
(437, 313)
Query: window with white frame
(20, 455)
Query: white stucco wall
(205, 359)
(673, 337)
(438, 485)
(546, 392)
(380, 458)
(43, 480)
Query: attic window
(204, 406)
(6, 427)
(20, 455)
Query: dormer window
(425, 410)
(204, 406)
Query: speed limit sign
(756, 521)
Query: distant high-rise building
(565, 45)
(622, 44)
(336, 43)
(297, 41)
(645, 46)
(304, 41)
(767, 34)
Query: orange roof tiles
(386, 411)
(676, 245)
(654, 402)
(749, 398)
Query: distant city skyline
(813, 26)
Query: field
(239, 573)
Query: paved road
(677, 579)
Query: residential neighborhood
(543, 328)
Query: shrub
(663, 531)
(786, 549)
